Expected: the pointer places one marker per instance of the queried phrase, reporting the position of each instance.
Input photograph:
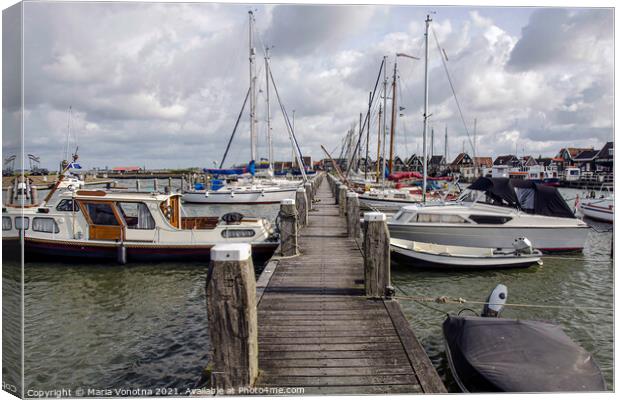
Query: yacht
(517, 209)
(98, 224)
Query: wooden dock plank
(317, 329)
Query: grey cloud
(560, 35)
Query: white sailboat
(251, 189)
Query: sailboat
(244, 185)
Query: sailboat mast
(425, 166)
(269, 140)
(445, 144)
(252, 90)
(359, 148)
(393, 123)
(378, 142)
(367, 137)
(384, 119)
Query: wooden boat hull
(420, 259)
(136, 252)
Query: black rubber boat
(490, 354)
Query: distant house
(528, 161)
(566, 157)
(398, 165)
(509, 160)
(463, 160)
(604, 160)
(483, 162)
(585, 160)
(436, 165)
(415, 163)
(122, 170)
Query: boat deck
(317, 330)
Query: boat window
(101, 214)
(428, 218)
(7, 225)
(40, 224)
(237, 233)
(22, 223)
(137, 215)
(400, 196)
(526, 197)
(404, 217)
(453, 219)
(67, 205)
(489, 219)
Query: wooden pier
(318, 330)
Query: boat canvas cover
(518, 356)
(525, 195)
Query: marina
(392, 207)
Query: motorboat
(243, 191)
(600, 208)
(98, 224)
(436, 256)
(518, 209)
(491, 354)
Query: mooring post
(231, 311)
(309, 196)
(34, 195)
(301, 202)
(376, 255)
(137, 185)
(183, 182)
(353, 215)
(155, 186)
(9, 196)
(288, 228)
(170, 184)
(342, 199)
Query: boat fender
(232, 218)
(495, 302)
(522, 245)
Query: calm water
(145, 326)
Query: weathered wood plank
(317, 328)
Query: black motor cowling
(232, 218)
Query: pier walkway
(316, 328)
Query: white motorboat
(253, 194)
(97, 224)
(598, 208)
(429, 255)
(542, 216)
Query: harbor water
(144, 326)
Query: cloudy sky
(160, 85)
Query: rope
(460, 300)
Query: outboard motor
(232, 218)
(495, 302)
(523, 245)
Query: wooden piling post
(155, 185)
(231, 310)
(353, 215)
(137, 185)
(342, 199)
(34, 198)
(9, 196)
(376, 255)
(183, 183)
(301, 203)
(309, 196)
(170, 184)
(288, 228)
